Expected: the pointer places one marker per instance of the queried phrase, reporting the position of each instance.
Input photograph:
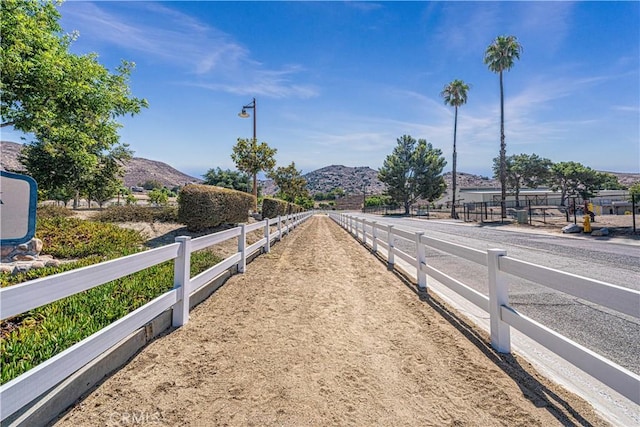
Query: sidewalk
(318, 332)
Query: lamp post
(246, 115)
(243, 114)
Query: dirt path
(318, 332)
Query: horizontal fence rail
(14, 300)
(503, 316)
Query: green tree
(106, 181)
(634, 192)
(291, 184)
(227, 178)
(524, 170)
(573, 178)
(413, 171)
(158, 197)
(377, 200)
(151, 184)
(499, 57)
(69, 102)
(251, 157)
(455, 94)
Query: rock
(6, 250)
(572, 228)
(6, 269)
(35, 246)
(52, 263)
(37, 264)
(600, 232)
(20, 268)
(22, 257)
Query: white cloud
(185, 42)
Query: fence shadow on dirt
(534, 390)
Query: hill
(353, 180)
(137, 170)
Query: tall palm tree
(500, 56)
(455, 94)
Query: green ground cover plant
(133, 213)
(35, 336)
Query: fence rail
(503, 316)
(18, 299)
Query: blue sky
(338, 82)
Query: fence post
(267, 235)
(374, 243)
(181, 281)
(390, 257)
(242, 246)
(287, 224)
(421, 260)
(498, 296)
(279, 228)
(364, 232)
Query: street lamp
(246, 115)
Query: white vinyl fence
(20, 298)
(502, 316)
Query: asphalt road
(614, 335)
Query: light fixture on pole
(246, 115)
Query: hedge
(204, 206)
(272, 208)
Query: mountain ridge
(353, 180)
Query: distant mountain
(353, 180)
(137, 170)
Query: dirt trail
(318, 332)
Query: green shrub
(133, 213)
(204, 206)
(52, 211)
(76, 238)
(272, 208)
(46, 331)
(158, 197)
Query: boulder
(572, 228)
(600, 232)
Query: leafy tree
(290, 182)
(228, 179)
(251, 157)
(455, 94)
(158, 197)
(634, 192)
(574, 178)
(305, 202)
(106, 181)
(524, 170)
(378, 200)
(151, 184)
(68, 102)
(500, 56)
(413, 171)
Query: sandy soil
(319, 332)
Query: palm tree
(455, 94)
(500, 56)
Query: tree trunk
(453, 177)
(503, 155)
(255, 189)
